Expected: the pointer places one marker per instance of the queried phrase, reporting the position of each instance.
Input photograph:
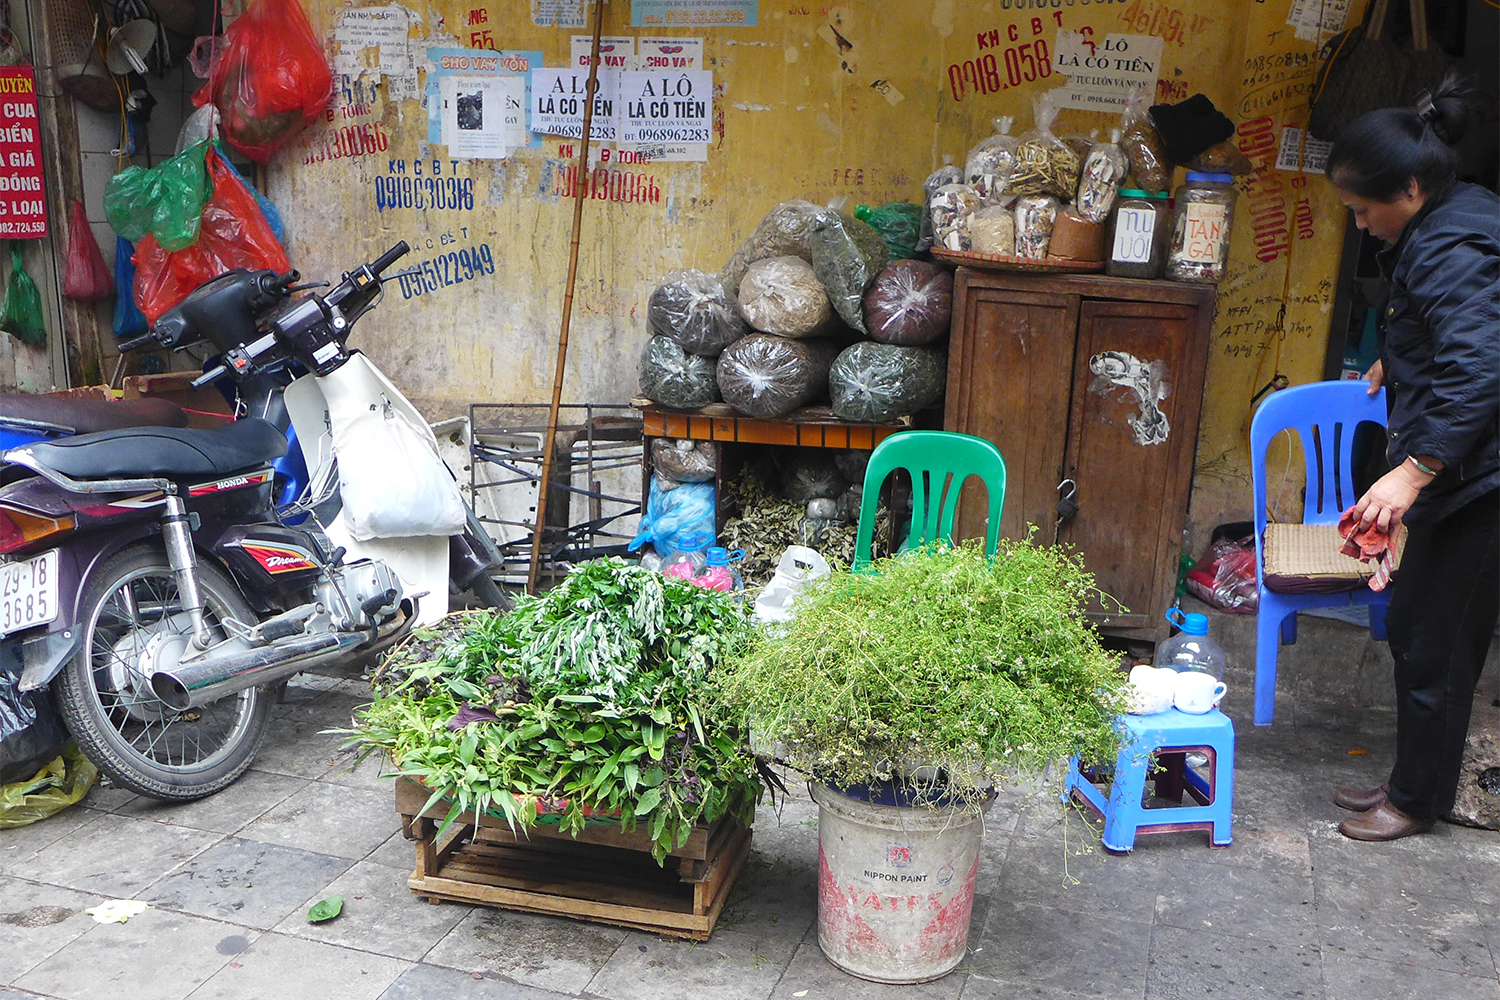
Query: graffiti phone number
(451, 268)
(1028, 62)
(424, 193)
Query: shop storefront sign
(23, 198)
(694, 13)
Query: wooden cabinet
(1096, 380)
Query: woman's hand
(1375, 376)
(1390, 498)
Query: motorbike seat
(163, 452)
(85, 416)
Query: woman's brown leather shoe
(1357, 800)
(1384, 822)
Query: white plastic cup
(1196, 693)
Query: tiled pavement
(1291, 910)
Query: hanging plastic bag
(64, 781)
(233, 233)
(1149, 164)
(991, 163)
(673, 515)
(267, 206)
(87, 276)
(166, 201)
(271, 79)
(391, 479)
(129, 320)
(1044, 163)
(21, 313)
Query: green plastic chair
(939, 462)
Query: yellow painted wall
(798, 115)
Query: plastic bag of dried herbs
(694, 309)
(785, 230)
(674, 378)
(765, 376)
(847, 255)
(875, 383)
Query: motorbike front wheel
(131, 609)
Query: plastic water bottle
(1192, 648)
(717, 573)
(690, 558)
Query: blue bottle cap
(1191, 623)
(1209, 177)
(694, 541)
(718, 556)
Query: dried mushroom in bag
(1035, 214)
(765, 376)
(991, 163)
(875, 383)
(694, 309)
(911, 302)
(683, 460)
(847, 254)
(1044, 163)
(938, 178)
(786, 230)
(1103, 175)
(1149, 164)
(949, 209)
(782, 295)
(676, 379)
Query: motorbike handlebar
(136, 343)
(212, 375)
(390, 257)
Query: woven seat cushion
(1306, 559)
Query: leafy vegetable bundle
(942, 657)
(584, 702)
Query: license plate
(28, 592)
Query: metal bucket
(895, 887)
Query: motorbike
(149, 576)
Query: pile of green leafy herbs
(939, 669)
(590, 698)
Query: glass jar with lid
(1200, 228)
(1140, 231)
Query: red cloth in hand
(1372, 544)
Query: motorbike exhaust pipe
(214, 677)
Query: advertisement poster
(480, 62)
(661, 107)
(483, 116)
(614, 53)
(558, 98)
(23, 199)
(694, 13)
(1102, 72)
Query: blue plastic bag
(129, 321)
(672, 515)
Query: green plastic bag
(166, 200)
(899, 224)
(60, 784)
(21, 314)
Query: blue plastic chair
(939, 462)
(1324, 415)
(1142, 737)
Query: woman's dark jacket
(1441, 346)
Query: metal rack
(596, 482)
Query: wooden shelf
(810, 427)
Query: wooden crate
(604, 875)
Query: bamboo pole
(579, 192)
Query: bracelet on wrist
(1420, 467)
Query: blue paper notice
(694, 13)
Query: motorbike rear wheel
(129, 607)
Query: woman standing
(1440, 364)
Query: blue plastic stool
(1145, 736)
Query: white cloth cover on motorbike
(391, 479)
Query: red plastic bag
(270, 80)
(88, 277)
(233, 233)
(1225, 576)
